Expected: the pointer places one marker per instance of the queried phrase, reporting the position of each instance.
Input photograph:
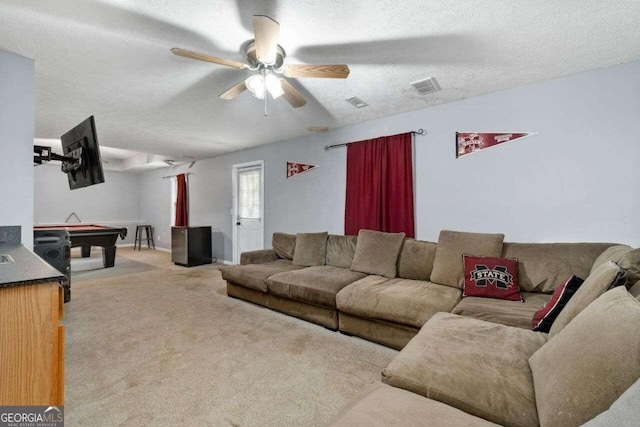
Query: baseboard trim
(130, 245)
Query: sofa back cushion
(416, 259)
(581, 371)
(447, 266)
(626, 257)
(543, 266)
(377, 253)
(607, 276)
(341, 250)
(311, 249)
(284, 244)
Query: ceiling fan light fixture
(255, 84)
(274, 86)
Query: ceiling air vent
(356, 102)
(426, 86)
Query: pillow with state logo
(490, 277)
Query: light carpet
(83, 269)
(169, 347)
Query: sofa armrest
(258, 257)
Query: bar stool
(149, 234)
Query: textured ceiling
(111, 59)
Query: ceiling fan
(266, 56)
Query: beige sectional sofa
(391, 310)
(464, 361)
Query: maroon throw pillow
(490, 277)
(543, 319)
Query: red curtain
(182, 212)
(380, 185)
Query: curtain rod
(415, 132)
(173, 176)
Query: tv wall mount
(72, 161)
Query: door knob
(238, 223)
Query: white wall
(16, 143)
(113, 203)
(577, 180)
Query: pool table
(87, 235)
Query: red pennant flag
(468, 142)
(294, 168)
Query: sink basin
(6, 259)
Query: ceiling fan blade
(208, 58)
(292, 96)
(321, 71)
(266, 32)
(234, 91)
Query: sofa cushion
(635, 290)
(377, 253)
(404, 301)
(284, 244)
(253, 276)
(590, 363)
(340, 250)
(314, 285)
(623, 412)
(382, 405)
(543, 266)
(545, 316)
(476, 366)
(510, 313)
(626, 257)
(311, 249)
(605, 277)
(416, 259)
(259, 256)
(490, 277)
(447, 266)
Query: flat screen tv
(81, 143)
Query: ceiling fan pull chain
(265, 103)
(264, 89)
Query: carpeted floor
(167, 346)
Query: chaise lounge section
(308, 290)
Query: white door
(248, 224)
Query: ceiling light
(273, 85)
(258, 82)
(356, 102)
(255, 84)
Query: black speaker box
(54, 246)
